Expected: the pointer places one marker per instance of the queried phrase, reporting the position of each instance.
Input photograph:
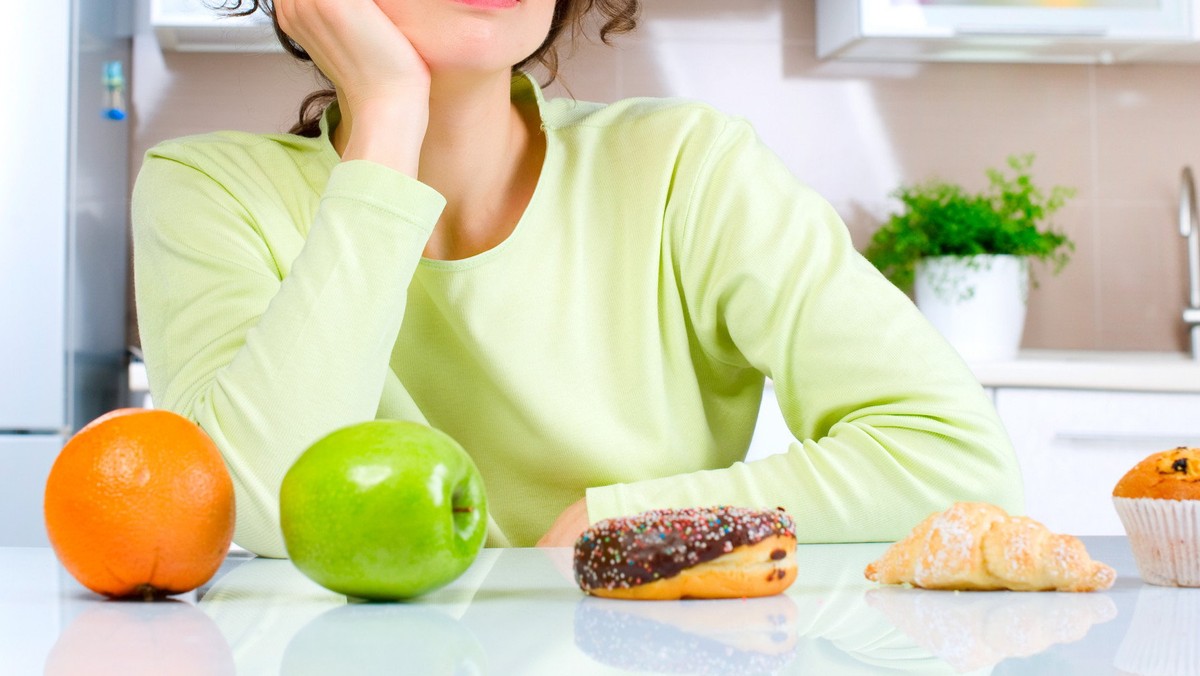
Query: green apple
(383, 510)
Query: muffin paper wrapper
(1165, 538)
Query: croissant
(975, 545)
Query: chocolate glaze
(630, 551)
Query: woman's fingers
(567, 527)
(382, 83)
(356, 45)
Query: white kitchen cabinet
(64, 208)
(1074, 445)
(193, 26)
(896, 30)
(33, 241)
(979, 30)
(26, 460)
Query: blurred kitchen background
(1106, 377)
(1119, 134)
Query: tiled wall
(1118, 134)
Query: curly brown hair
(618, 16)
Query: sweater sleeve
(889, 423)
(268, 363)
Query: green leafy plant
(943, 219)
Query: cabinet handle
(1158, 441)
(972, 30)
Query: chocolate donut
(715, 552)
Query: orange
(139, 503)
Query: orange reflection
(132, 638)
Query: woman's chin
(469, 71)
(479, 42)
(474, 63)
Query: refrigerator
(64, 192)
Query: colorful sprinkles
(629, 551)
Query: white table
(517, 612)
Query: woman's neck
(483, 154)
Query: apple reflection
(371, 638)
(133, 638)
(277, 621)
(974, 630)
(691, 637)
(1162, 639)
(258, 605)
(513, 612)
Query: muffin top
(1168, 475)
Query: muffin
(1159, 504)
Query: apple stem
(463, 510)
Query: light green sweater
(615, 344)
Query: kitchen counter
(517, 611)
(1068, 369)
(1093, 370)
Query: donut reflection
(1163, 638)
(979, 629)
(693, 637)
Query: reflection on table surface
(755, 636)
(1164, 634)
(972, 631)
(518, 612)
(132, 637)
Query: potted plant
(965, 256)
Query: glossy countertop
(1093, 370)
(517, 611)
(1130, 371)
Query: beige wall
(1118, 134)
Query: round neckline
(523, 86)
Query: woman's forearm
(268, 365)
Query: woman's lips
(490, 4)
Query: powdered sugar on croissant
(975, 545)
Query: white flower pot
(977, 302)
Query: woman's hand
(382, 82)
(567, 528)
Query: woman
(587, 297)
